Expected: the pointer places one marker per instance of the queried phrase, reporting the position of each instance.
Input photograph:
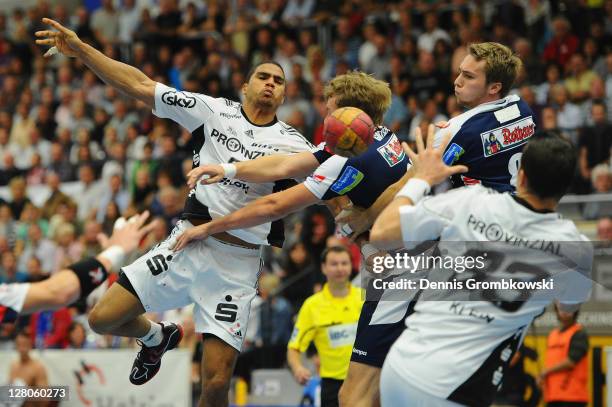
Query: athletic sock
(154, 336)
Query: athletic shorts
(13, 296)
(395, 390)
(381, 322)
(218, 277)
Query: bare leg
(218, 361)
(361, 386)
(119, 312)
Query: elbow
(284, 171)
(146, 92)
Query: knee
(99, 320)
(344, 395)
(215, 387)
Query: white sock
(154, 336)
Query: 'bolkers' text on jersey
(459, 341)
(488, 139)
(362, 178)
(223, 134)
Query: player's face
(266, 87)
(331, 105)
(337, 267)
(471, 88)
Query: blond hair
(358, 89)
(501, 63)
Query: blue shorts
(373, 340)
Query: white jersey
(223, 134)
(458, 342)
(12, 298)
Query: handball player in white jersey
(218, 274)
(455, 352)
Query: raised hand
(357, 218)
(66, 41)
(427, 161)
(128, 234)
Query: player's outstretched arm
(262, 169)
(266, 209)
(122, 77)
(67, 285)
(429, 169)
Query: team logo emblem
(392, 151)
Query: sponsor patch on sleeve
(452, 154)
(392, 151)
(348, 180)
(507, 137)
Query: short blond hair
(502, 65)
(358, 89)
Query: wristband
(415, 189)
(229, 170)
(116, 255)
(345, 230)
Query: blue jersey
(489, 140)
(362, 178)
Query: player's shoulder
(173, 97)
(291, 134)
(386, 148)
(491, 114)
(478, 191)
(382, 133)
(312, 302)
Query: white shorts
(13, 295)
(395, 390)
(219, 278)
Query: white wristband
(415, 189)
(345, 230)
(116, 255)
(229, 170)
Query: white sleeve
(188, 109)
(427, 219)
(325, 176)
(453, 129)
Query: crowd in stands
(75, 154)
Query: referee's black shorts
(329, 392)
